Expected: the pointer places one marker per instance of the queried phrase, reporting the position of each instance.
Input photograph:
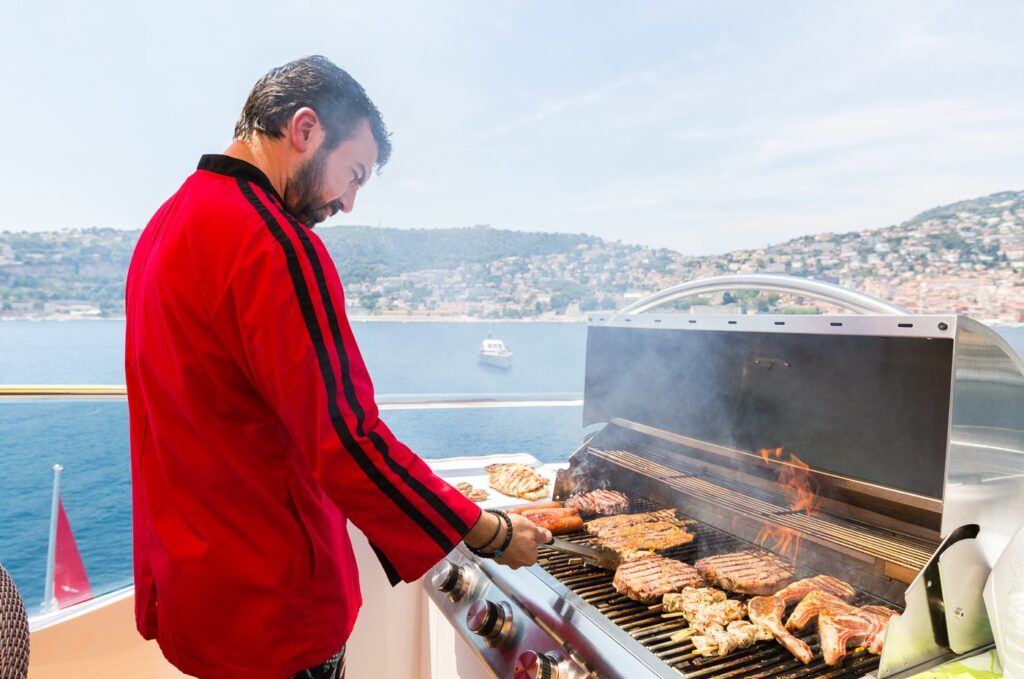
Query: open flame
(796, 477)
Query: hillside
(964, 257)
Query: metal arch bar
(826, 292)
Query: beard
(302, 195)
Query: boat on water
(493, 352)
(888, 521)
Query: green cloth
(983, 666)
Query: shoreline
(362, 318)
(352, 319)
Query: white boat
(494, 352)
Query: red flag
(70, 583)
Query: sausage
(542, 514)
(564, 525)
(537, 505)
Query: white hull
(497, 360)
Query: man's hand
(522, 551)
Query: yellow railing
(385, 403)
(63, 390)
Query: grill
(654, 632)
(882, 450)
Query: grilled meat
(748, 572)
(721, 641)
(647, 537)
(558, 525)
(600, 501)
(649, 531)
(812, 605)
(517, 480)
(534, 505)
(865, 626)
(474, 494)
(613, 524)
(825, 583)
(719, 613)
(767, 611)
(876, 640)
(648, 577)
(691, 600)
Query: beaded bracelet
(504, 544)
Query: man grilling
(254, 432)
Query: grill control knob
(492, 621)
(534, 665)
(449, 578)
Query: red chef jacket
(255, 437)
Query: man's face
(328, 181)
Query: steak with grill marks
(825, 583)
(599, 501)
(865, 626)
(517, 480)
(747, 572)
(614, 524)
(649, 577)
(647, 537)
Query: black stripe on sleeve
(352, 399)
(389, 570)
(326, 371)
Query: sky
(702, 127)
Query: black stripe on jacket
(337, 420)
(429, 496)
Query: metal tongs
(601, 557)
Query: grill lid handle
(851, 300)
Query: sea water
(406, 360)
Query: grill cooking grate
(905, 550)
(650, 629)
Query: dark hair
(339, 101)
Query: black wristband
(504, 543)
(508, 535)
(497, 530)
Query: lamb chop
(767, 611)
(825, 583)
(747, 572)
(812, 605)
(517, 480)
(599, 501)
(875, 641)
(648, 577)
(864, 626)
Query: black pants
(332, 668)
